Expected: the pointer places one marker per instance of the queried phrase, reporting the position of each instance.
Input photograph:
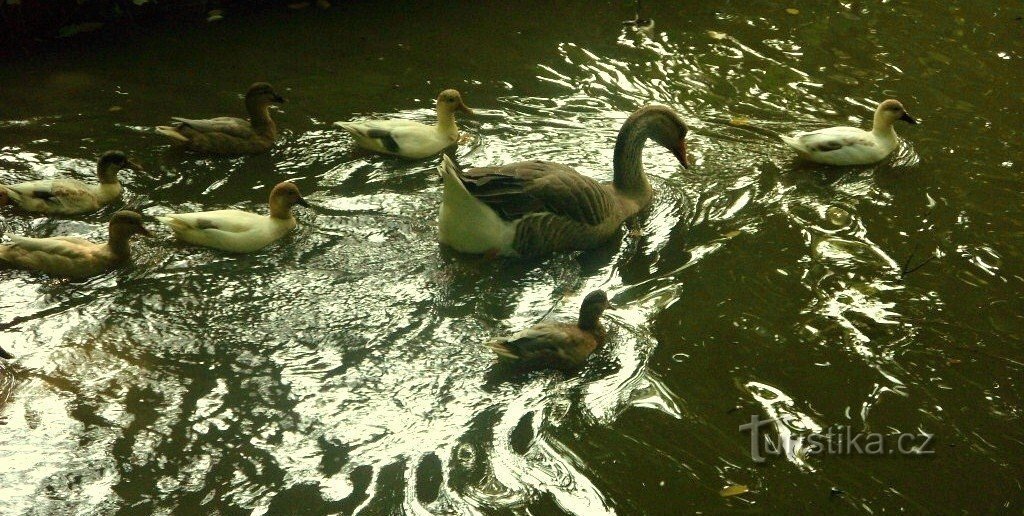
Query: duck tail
(172, 133)
(503, 350)
(173, 223)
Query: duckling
(227, 135)
(70, 196)
(850, 145)
(557, 345)
(239, 231)
(410, 139)
(75, 258)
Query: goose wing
(530, 187)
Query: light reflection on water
(341, 369)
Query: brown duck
(75, 258)
(536, 207)
(228, 135)
(562, 346)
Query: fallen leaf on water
(733, 490)
(793, 11)
(739, 121)
(952, 361)
(717, 35)
(733, 234)
(115, 109)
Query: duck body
(564, 346)
(239, 231)
(409, 139)
(61, 196)
(534, 208)
(404, 138)
(230, 135)
(70, 196)
(844, 146)
(71, 257)
(234, 231)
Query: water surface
(340, 369)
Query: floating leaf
(115, 109)
(952, 361)
(733, 490)
(717, 35)
(793, 11)
(739, 121)
(733, 234)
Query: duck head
(283, 197)
(262, 93)
(664, 126)
(890, 111)
(449, 101)
(126, 223)
(112, 162)
(592, 307)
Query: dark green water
(340, 371)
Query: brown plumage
(76, 258)
(536, 207)
(562, 346)
(229, 135)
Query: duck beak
(134, 165)
(465, 109)
(680, 153)
(302, 202)
(908, 119)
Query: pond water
(340, 370)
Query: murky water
(339, 370)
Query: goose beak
(680, 153)
(302, 202)
(465, 109)
(908, 119)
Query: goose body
(564, 346)
(536, 207)
(850, 145)
(70, 196)
(238, 231)
(407, 138)
(230, 135)
(75, 258)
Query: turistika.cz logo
(834, 440)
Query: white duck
(410, 139)
(70, 196)
(75, 258)
(239, 231)
(850, 145)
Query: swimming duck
(70, 196)
(562, 346)
(75, 258)
(536, 207)
(228, 135)
(410, 139)
(850, 145)
(239, 231)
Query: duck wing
(65, 247)
(833, 139)
(229, 221)
(231, 126)
(554, 344)
(516, 190)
